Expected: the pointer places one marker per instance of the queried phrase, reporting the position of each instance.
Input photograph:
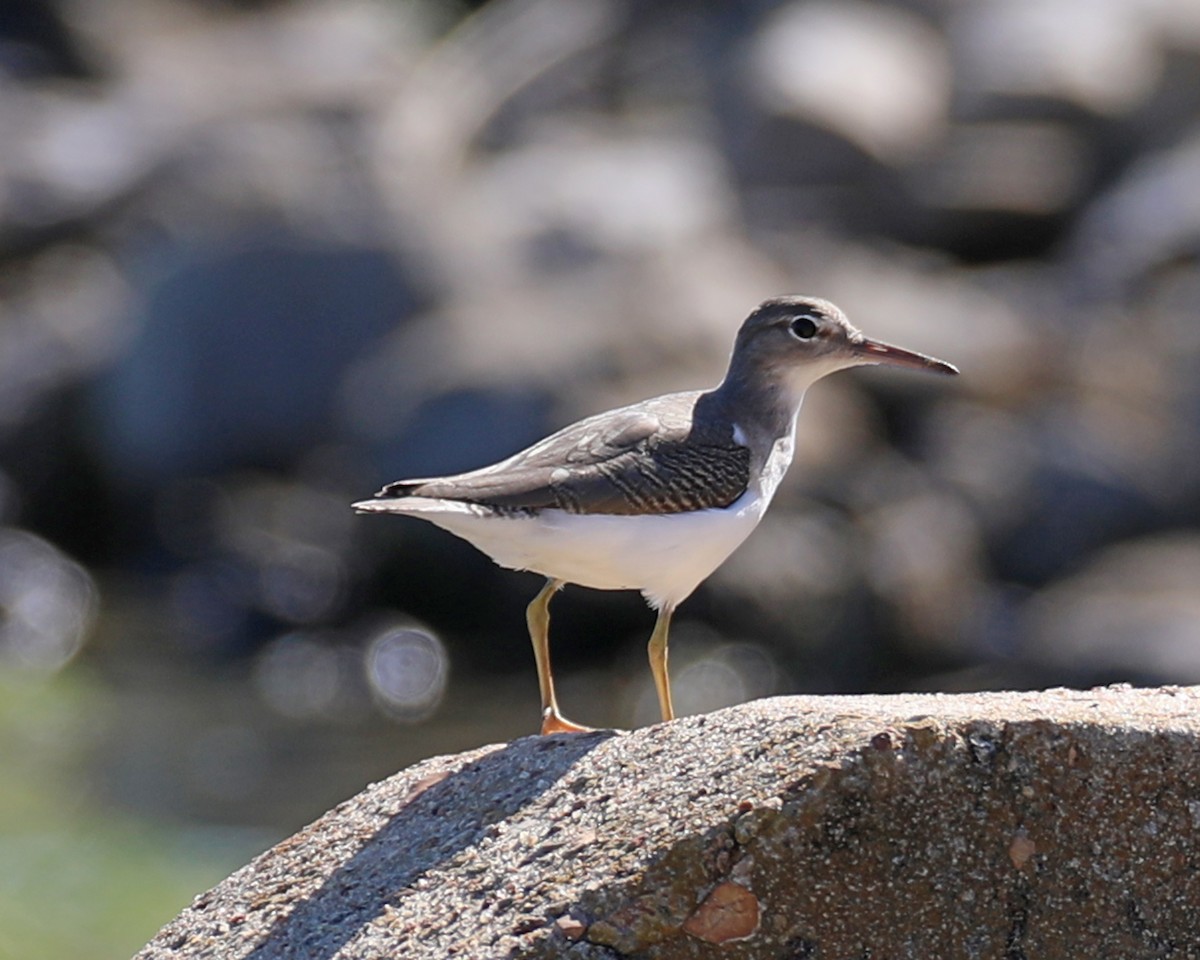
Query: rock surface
(1043, 825)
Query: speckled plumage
(649, 458)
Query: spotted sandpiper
(653, 496)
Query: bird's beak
(875, 351)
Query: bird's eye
(804, 328)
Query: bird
(656, 495)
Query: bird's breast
(778, 461)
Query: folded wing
(647, 458)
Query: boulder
(1057, 824)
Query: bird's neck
(763, 408)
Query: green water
(79, 881)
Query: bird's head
(794, 341)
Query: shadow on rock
(443, 814)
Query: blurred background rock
(257, 258)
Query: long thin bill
(875, 351)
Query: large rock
(1012, 825)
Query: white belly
(665, 556)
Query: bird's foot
(555, 722)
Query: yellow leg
(658, 661)
(537, 615)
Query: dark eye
(804, 327)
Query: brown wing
(647, 458)
(659, 475)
